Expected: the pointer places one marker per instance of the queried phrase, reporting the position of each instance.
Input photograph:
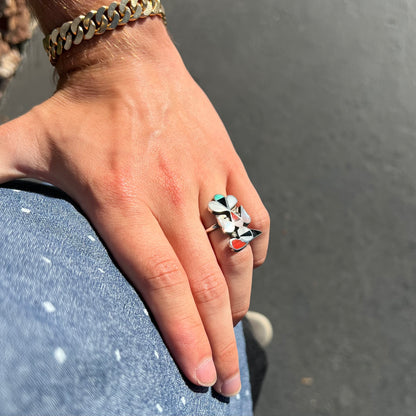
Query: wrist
(53, 13)
(142, 40)
(139, 56)
(74, 42)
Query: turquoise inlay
(218, 197)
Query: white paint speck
(91, 238)
(247, 393)
(101, 270)
(159, 408)
(117, 354)
(48, 306)
(183, 400)
(59, 355)
(46, 260)
(156, 354)
(238, 397)
(25, 210)
(146, 312)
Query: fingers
(211, 294)
(144, 253)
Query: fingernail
(231, 387)
(206, 373)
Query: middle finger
(209, 288)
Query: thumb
(21, 143)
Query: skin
(134, 140)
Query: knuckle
(121, 187)
(259, 262)
(115, 187)
(165, 274)
(262, 219)
(210, 289)
(242, 260)
(172, 181)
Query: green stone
(218, 197)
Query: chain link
(96, 22)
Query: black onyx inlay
(223, 202)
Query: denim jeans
(75, 337)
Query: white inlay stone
(156, 354)
(238, 397)
(101, 270)
(16, 190)
(146, 312)
(48, 306)
(117, 354)
(159, 408)
(244, 216)
(183, 400)
(59, 355)
(91, 238)
(227, 225)
(25, 210)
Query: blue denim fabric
(75, 337)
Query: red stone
(235, 218)
(238, 244)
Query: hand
(138, 145)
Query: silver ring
(232, 220)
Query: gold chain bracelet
(96, 22)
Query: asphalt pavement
(319, 98)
